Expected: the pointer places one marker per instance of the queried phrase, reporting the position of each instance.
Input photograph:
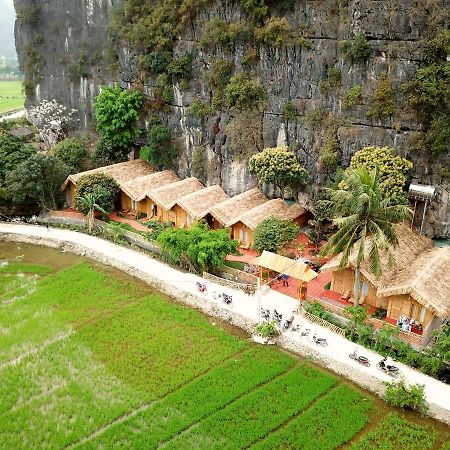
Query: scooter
(361, 359)
(227, 299)
(265, 314)
(305, 333)
(288, 323)
(319, 341)
(393, 371)
(201, 288)
(277, 316)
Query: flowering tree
(51, 120)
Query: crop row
(196, 400)
(333, 420)
(17, 267)
(254, 415)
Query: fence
(407, 336)
(250, 288)
(238, 275)
(324, 323)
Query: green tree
(278, 166)
(160, 150)
(90, 203)
(12, 152)
(198, 247)
(244, 93)
(37, 180)
(365, 220)
(102, 186)
(107, 152)
(393, 170)
(273, 233)
(116, 110)
(74, 153)
(383, 101)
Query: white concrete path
(337, 351)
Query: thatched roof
(276, 207)
(199, 203)
(229, 211)
(420, 271)
(121, 172)
(426, 279)
(282, 264)
(137, 188)
(167, 196)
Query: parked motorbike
(359, 358)
(319, 341)
(227, 299)
(391, 370)
(277, 316)
(265, 314)
(201, 287)
(305, 333)
(296, 328)
(288, 323)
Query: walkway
(244, 307)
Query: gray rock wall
(394, 29)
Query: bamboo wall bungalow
(227, 213)
(417, 287)
(121, 172)
(166, 197)
(197, 205)
(245, 224)
(133, 193)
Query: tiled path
(132, 222)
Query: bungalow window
(243, 235)
(133, 204)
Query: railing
(240, 275)
(324, 323)
(407, 336)
(250, 288)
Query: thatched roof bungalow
(121, 172)
(165, 199)
(198, 205)
(417, 287)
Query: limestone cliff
(65, 50)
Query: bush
(289, 110)
(406, 397)
(199, 108)
(318, 310)
(267, 329)
(379, 313)
(160, 150)
(220, 73)
(107, 152)
(383, 101)
(356, 49)
(273, 233)
(74, 153)
(93, 184)
(352, 97)
(157, 227)
(156, 62)
(217, 32)
(333, 80)
(277, 31)
(181, 67)
(244, 93)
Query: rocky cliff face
(304, 107)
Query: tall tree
(365, 220)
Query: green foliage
(403, 396)
(397, 432)
(157, 227)
(278, 166)
(383, 101)
(74, 153)
(267, 329)
(160, 150)
(198, 247)
(352, 97)
(356, 49)
(199, 164)
(90, 203)
(217, 32)
(12, 152)
(379, 313)
(273, 233)
(37, 180)
(244, 93)
(97, 183)
(277, 31)
(289, 110)
(329, 152)
(314, 117)
(107, 152)
(257, 10)
(332, 81)
(393, 169)
(316, 309)
(220, 73)
(181, 67)
(156, 62)
(116, 110)
(245, 134)
(200, 108)
(250, 57)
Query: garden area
(91, 358)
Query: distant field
(11, 96)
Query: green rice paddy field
(92, 359)
(11, 96)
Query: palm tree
(90, 203)
(363, 213)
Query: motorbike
(277, 316)
(359, 358)
(227, 299)
(296, 328)
(265, 314)
(393, 371)
(288, 323)
(305, 333)
(319, 341)
(201, 287)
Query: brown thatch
(288, 266)
(199, 203)
(272, 208)
(426, 279)
(121, 172)
(420, 271)
(167, 196)
(229, 211)
(137, 188)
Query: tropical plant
(366, 221)
(267, 329)
(273, 233)
(90, 203)
(93, 184)
(278, 166)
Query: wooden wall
(125, 201)
(236, 230)
(407, 306)
(69, 193)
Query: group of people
(407, 324)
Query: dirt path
(244, 311)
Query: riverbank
(243, 314)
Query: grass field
(91, 361)
(11, 96)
